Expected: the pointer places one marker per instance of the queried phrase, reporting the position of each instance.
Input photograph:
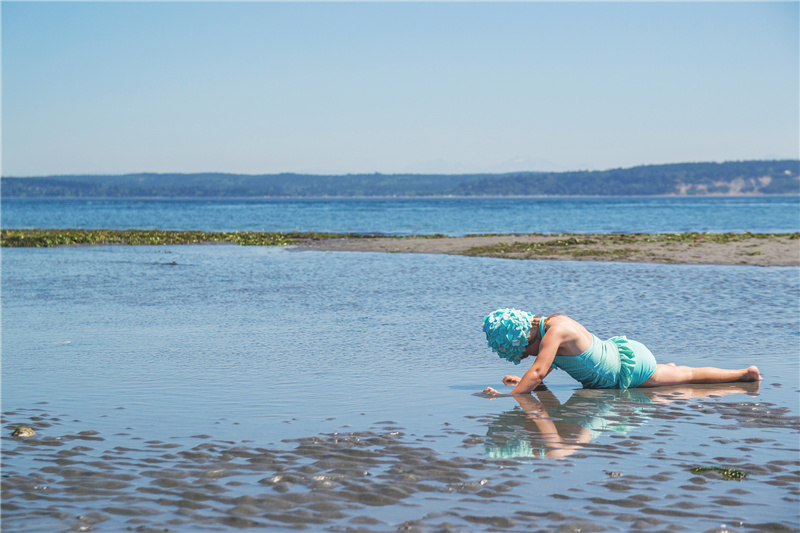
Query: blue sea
(194, 388)
(416, 216)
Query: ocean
(416, 216)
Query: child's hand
(489, 390)
(511, 380)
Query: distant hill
(735, 177)
(235, 185)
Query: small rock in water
(23, 431)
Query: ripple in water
(385, 476)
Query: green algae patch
(45, 238)
(727, 473)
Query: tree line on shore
(733, 177)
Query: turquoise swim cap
(507, 332)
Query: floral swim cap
(507, 332)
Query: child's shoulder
(559, 318)
(566, 324)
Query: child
(558, 341)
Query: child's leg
(678, 375)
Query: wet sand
(717, 249)
(386, 479)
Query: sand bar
(763, 249)
(686, 248)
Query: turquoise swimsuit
(617, 363)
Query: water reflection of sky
(254, 346)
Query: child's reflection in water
(546, 428)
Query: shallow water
(265, 387)
(415, 216)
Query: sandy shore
(782, 249)
(696, 248)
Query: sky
(400, 87)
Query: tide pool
(250, 387)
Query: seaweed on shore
(614, 246)
(44, 238)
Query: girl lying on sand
(558, 341)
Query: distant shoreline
(766, 249)
(729, 178)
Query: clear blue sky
(394, 87)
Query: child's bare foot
(752, 374)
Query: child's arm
(513, 380)
(542, 366)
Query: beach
(694, 248)
(249, 252)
